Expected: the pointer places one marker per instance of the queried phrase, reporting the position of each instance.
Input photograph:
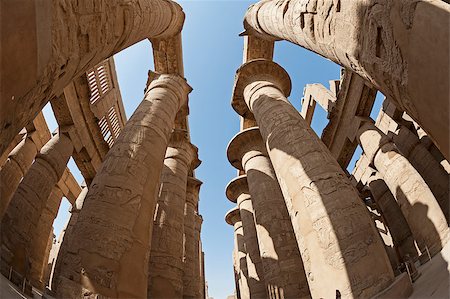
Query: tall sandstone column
(284, 274)
(233, 217)
(47, 44)
(165, 279)
(20, 223)
(418, 204)
(38, 254)
(192, 227)
(111, 240)
(237, 191)
(386, 42)
(398, 226)
(66, 234)
(16, 166)
(338, 241)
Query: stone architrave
(233, 217)
(65, 236)
(237, 191)
(47, 44)
(338, 241)
(20, 223)
(110, 243)
(417, 202)
(388, 43)
(16, 166)
(165, 278)
(38, 253)
(284, 274)
(402, 236)
(191, 267)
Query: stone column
(111, 239)
(191, 267)
(284, 274)
(40, 56)
(165, 279)
(38, 254)
(398, 226)
(388, 43)
(15, 167)
(233, 217)
(199, 258)
(47, 268)
(237, 191)
(418, 204)
(421, 159)
(20, 223)
(64, 251)
(338, 241)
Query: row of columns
(336, 239)
(30, 202)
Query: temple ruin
(304, 227)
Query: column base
(399, 289)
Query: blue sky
(212, 53)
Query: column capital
(372, 139)
(173, 82)
(193, 190)
(258, 70)
(248, 143)
(233, 216)
(237, 187)
(179, 140)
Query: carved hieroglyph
(110, 245)
(233, 217)
(165, 278)
(283, 270)
(237, 191)
(15, 167)
(50, 43)
(20, 223)
(338, 241)
(418, 204)
(387, 42)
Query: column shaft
(284, 273)
(239, 244)
(388, 44)
(421, 159)
(398, 226)
(199, 258)
(165, 278)
(417, 202)
(39, 241)
(64, 251)
(192, 227)
(111, 239)
(16, 166)
(20, 223)
(338, 241)
(254, 264)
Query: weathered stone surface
(283, 270)
(233, 217)
(165, 278)
(418, 204)
(388, 43)
(237, 191)
(52, 42)
(111, 240)
(39, 250)
(337, 239)
(20, 223)
(14, 169)
(192, 228)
